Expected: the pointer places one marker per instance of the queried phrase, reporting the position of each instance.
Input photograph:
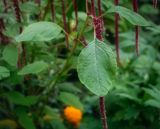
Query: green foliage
(70, 100)
(10, 55)
(132, 17)
(25, 120)
(20, 99)
(97, 67)
(4, 72)
(34, 68)
(34, 95)
(40, 31)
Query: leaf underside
(97, 67)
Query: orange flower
(73, 115)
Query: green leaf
(56, 124)
(130, 16)
(154, 92)
(153, 103)
(29, 7)
(10, 54)
(97, 67)
(40, 31)
(34, 68)
(24, 119)
(18, 98)
(70, 99)
(4, 72)
(53, 113)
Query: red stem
(38, 2)
(155, 3)
(103, 112)
(18, 18)
(5, 6)
(53, 10)
(87, 8)
(117, 33)
(93, 8)
(64, 22)
(99, 8)
(98, 25)
(135, 8)
(76, 12)
(17, 12)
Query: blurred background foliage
(134, 101)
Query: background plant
(35, 95)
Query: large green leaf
(40, 31)
(33, 68)
(18, 98)
(70, 99)
(10, 54)
(4, 72)
(97, 67)
(24, 119)
(132, 17)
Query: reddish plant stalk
(100, 14)
(38, 2)
(103, 112)
(53, 10)
(5, 6)
(1, 29)
(18, 18)
(116, 2)
(65, 23)
(17, 12)
(93, 8)
(99, 8)
(87, 8)
(98, 25)
(76, 12)
(155, 3)
(135, 8)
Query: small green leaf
(70, 99)
(153, 103)
(97, 67)
(132, 17)
(4, 72)
(40, 31)
(24, 119)
(55, 115)
(10, 54)
(33, 68)
(18, 98)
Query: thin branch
(155, 3)
(64, 22)
(116, 2)
(135, 8)
(53, 10)
(76, 11)
(93, 8)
